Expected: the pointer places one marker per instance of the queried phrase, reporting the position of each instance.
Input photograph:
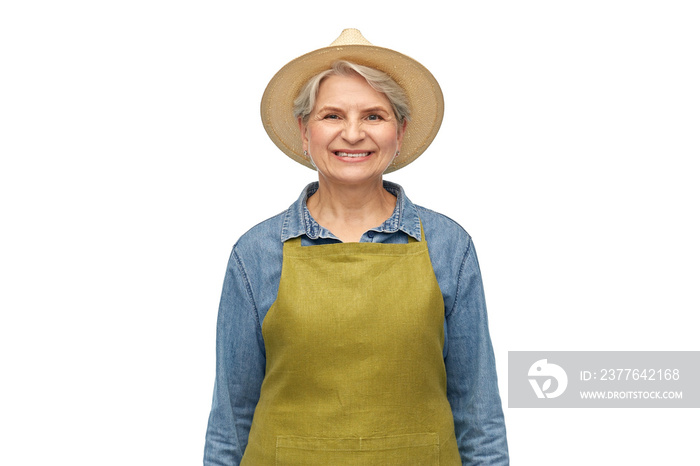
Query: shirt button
(370, 234)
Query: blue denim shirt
(251, 285)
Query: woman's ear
(304, 136)
(399, 134)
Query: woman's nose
(353, 131)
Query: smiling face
(352, 133)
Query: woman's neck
(350, 210)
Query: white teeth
(345, 154)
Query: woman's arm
(240, 367)
(472, 387)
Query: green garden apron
(355, 372)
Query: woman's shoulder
(442, 226)
(449, 246)
(263, 238)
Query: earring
(397, 154)
(306, 154)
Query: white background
(133, 157)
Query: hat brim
(422, 89)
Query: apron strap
(411, 239)
(296, 242)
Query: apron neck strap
(411, 239)
(296, 242)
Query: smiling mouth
(353, 156)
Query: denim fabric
(250, 287)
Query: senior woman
(352, 328)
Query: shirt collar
(298, 221)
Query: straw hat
(423, 91)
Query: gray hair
(379, 80)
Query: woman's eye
(331, 116)
(374, 117)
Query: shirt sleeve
(472, 388)
(240, 368)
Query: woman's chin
(352, 174)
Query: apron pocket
(397, 450)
